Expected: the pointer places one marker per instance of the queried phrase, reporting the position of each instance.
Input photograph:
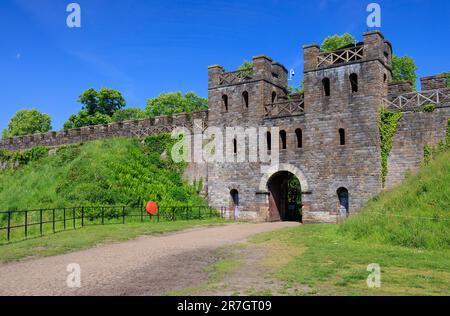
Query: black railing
(20, 225)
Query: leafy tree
(128, 114)
(404, 68)
(106, 101)
(26, 122)
(175, 102)
(246, 65)
(332, 43)
(83, 118)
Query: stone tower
(239, 99)
(328, 137)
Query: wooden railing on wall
(416, 100)
(286, 108)
(340, 56)
(235, 76)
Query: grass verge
(332, 264)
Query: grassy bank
(415, 214)
(103, 172)
(329, 263)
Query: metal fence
(20, 225)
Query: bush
(27, 122)
(103, 172)
(128, 114)
(404, 69)
(23, 157)
(85, 119)
(175, 102)
(332, 43)
(429, 108)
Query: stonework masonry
(336, 117)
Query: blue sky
(144, 48)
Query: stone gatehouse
(328, 134)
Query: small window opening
(245, 98)
(225, 102)
(283, 139)
(299, 133)
(342, 136)
(269, 141)
(354, 82)
(326, 86)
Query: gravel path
(148, 265)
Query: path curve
(149, 265)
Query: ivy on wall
(388, 126)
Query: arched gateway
(285, 184)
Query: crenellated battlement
(264, 68)
(132, 129)
(374, 47)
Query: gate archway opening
(285, 199)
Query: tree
(85, 119)
(128, 114)
(332, 43)
(404, 68)
(175, 102)
(26, 122)
(106, 101)
(246, 65)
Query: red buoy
(152, 208)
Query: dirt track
(149, 265)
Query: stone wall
(133, 129)
(414, 131)
(434, 82)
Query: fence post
(210, 212)
(199, 212)
(64, 218)
(40, 221)
(123, 214)
(103, 215)
(157, 217)
(142, 214)
(9, 225)
(53, 220)
(173, 215)
(82, 216)
(26, 224)
(74, 219)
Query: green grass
(90, 236)
(330, 263)
(415, 214)
(104, 172)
